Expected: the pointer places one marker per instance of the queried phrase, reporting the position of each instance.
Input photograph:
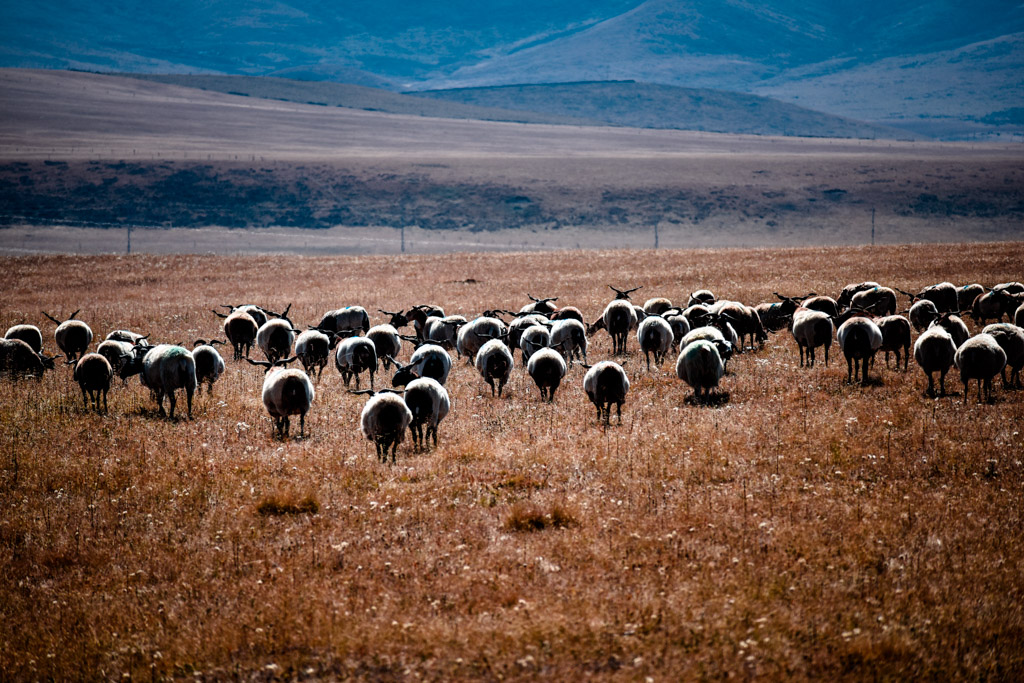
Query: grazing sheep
(163, 369)
(428, 360)
(534, 338)
(877, 301)
(259, 314)
(428, 404)
(711, 334)
(353, 356)
(116, 352)
(128, 336)
(657, 306)
(623, 294)
(276, 336)
(569, 337)
(980, 358)
(845, 298)
(209, 364)
(1009, 287)
(895, 338)
(922, 313)
(541, 306)
(29, 334)
(348, 318)
(384, 419)
(519, 325)
(812, 329)
(494, 363)
(934, 352)
(697, 315)
(859, 338)
(966, 295)
(954, 325)
(618, 319)
(700, 365)
(418, 316)
(443, 331)
(943, 295)
(475, 333)
(397, 319)
(745, 321)
(995, 304)
(606, 383)
(18, 359)
(1011, 339)
(655, 337)
(777, 316)
(386, 342)
(702, 297)
(825, 304)
(286, 392)
(313, 348)
(93, 374)
(679, 324)
(567, 313)
(73, 336)
(547, 368)
(240, 328)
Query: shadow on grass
(715, 400)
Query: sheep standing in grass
(386, 342)
(474, 334)
(313, 348)
(520, 325)
(966, 295)
(825, 304)
(700, 365)
(954, 325)
(93, 374)
(980, 358)
(116, 352)
(494, 363)
(17, 359)
(895, 338)
(428, 360)
(384, 419)
(209, 363)
(534, 338)
(618, 319)
(547, 368)
(1011, 339)
(29, 334)
(540, 306)
(679, 324)
(994, 305)
(812, 329)
(657, 306)
(428, 404)
(164, 369)
(922, 313)
(877, 301)
(606, 383)
(859, 338)
(845, 298)
(353, 318)
(655, 338)
(934, 352)
(276, 337)
(286, 392)
(443, 331)
(72, 336)
(569, 337)
(702, 297)
(240, 328)
(354, 356)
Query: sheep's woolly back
(437, 395)
(494, 347)
(980, 357)
(604, 376)
(655, 334)
(934, 350)
(287, 392)
(385, 414)
(700, 365)
(859, 337)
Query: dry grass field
(801, 528)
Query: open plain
(801, 527)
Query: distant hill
(644, 105)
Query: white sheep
(428, 403)
(618, 318)
(30, 334)
(569, 337)
(980, 358)
(209, 363)
(876, 300)
(386, 342)
(384, 419)
(657, 305)
(443, 331)
(533, 339)
(474, 334)
(17, 358)
(547, 368)
(494, 363)
(313, 349)
(519, 325)
(240, 328)
(428, 360)
(700, 365)
(72, 336)
(812, 329)
(606, 383)
(1011, 339)
(922, 313)
(679, 324)
(116, 352)
(895, 338)
(846, 296)
(348, 318)
(966, 295)
(954, 325)
(286, 392)
(655, 337)
(702, 297)
(93, 374)
(859, 339)
(164, 369)
(353, 356)
(934, 352)
(276, 337)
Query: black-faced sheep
(354, 318)
(386, 342)
(812, 329)
(428, 360)
(618, 319)
(547, 368)
(895, 338)
(17, 359)
(209, 363)
(534, 338)
(1011, 339)
(384, 419)
(569, 337)
(164, 369)
(240, 328)
(29, 334)
(655, 338)
(353, 356)
(954, 325)
(922, 313)
(313, 349)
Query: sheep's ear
(72, 316)
(198, 342)
(285, 314)
(218, 313)
(260, 363)
(218, 341)
(51, 317)
(285, 361)
(362, 391)
(70, 362)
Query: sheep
(812, 329)
(777, 316)
(980, 358)
(443, 331)
(519, 325)
(859, 338)
(384, 419)
(17, 359)
(128, 336)
(618, 319)
(877, 300)
(567, 313)
(386, 342)
(995, 304)
(943, 295)
(240, 328)
(353, 356)
(542, 306)
(679, 324)
(640, 315)
(429, 360)
(655, 337)
(286, 392)
(1009, 287)
(475, 333)
(569, 337)
(623, 294)
(702, 297)
(209, 364)
(428, 404)
(825, 304)
(276, 336)
(1018, 316)
(257, 313)
(313, 348)
(895, 338)
(116, 352)
(934, 352)
(697, 315)
(163, 369)
(418, 316)
(700, 365)
(547, 368)
(348, 318)
(845, 297)
(93, 374)
(396, 319)
(966, 295)
(658, 305)
(534, 338)
(1011, 339)
(606, 383)
(29, 334)
(954, 325)
(494, 363)
(72, 336)
(922, 313)
(745, 322)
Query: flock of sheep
(863, 319)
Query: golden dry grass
(804, 529)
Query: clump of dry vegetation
(804, 528)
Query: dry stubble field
(805, 528)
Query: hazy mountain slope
(644, 105)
